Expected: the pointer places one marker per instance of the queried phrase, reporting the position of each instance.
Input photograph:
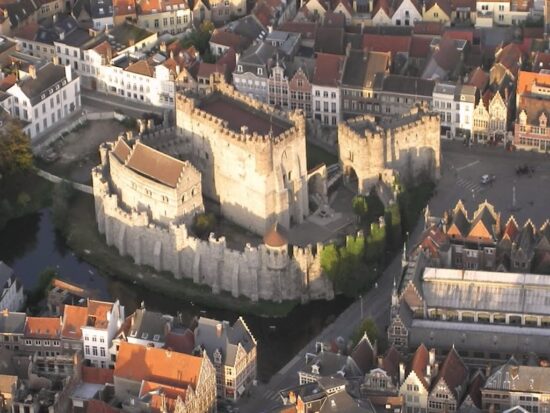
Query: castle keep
(252, 157)
(146, 199)
(407, 144)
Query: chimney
(380, 361)
(219, 329)
(92, 33)
(171, 54)
(68, 73)
(61, 35)
(162, 47)
(32, 71)
(431, 358)
(178, 69)
(428, 372)
(55, 60)
(401, 372)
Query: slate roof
(214, 335)
(12, 322)
(5, 273)
(363, 354)
(329, 40)
(100, 9)
(405, 85)
(529, 379)
(361, 67)
(47, 78)
(149, 325)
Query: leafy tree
(376, 242)
(393, 223)
(23, 199)
(15, 150)
(360, 206)
(330, 261)
(42, 287)
(200, 38)
(368, 326)
(204, 224)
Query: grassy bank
(85, 240)
(23, 194)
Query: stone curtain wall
(256, 273)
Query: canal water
(30, 245)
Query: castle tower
(276, 243)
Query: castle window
(183, 198)
(165, 199)
(148, 192)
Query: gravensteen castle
(251, 160)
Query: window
(94, 350)
(260, 71)
(87, 350)
(102, 351)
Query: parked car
(524, 169)
(486, 179)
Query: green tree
(23, 200)
(393, 224)
(15, 150)
(330, 262)
(204, 224)
(360, 206)
(200, 38)
(376, 242)
(42, 287)
(368, 325)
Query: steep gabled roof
(363, 354)
(454, 373)
(419, 362)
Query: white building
(103, 322)
(407, 14)
(11, 293)
(455, 104)
(44, 96)
(325, 89)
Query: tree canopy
(15, 150)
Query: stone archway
(351, 180)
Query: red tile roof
(8, 82)
(510, 57)
(527, 79)
(419, 362)
(478, 78)
(429, 28)
(97, 313)
(180, 342)
(74, 318)
(420, 46)
(276, 236)
(137, 363)
(458, 34)
(383, 5)
(141, 67)
(97, 375)
(328, 69)
(541, 61)
(156, 165)
(157, 390)
(387, 43)
(453, 372)
(43, 327)
(98, 406)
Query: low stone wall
(56, 180)
(257, 273)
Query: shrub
(204, 224)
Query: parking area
(462, 170)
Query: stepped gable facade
(251, 156)
(405, 144)
(477, 282)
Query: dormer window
(239, 69)
(145, 336)
(156, 337)
(260, 71)
(543, 120)
(217, 357)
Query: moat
(30, 244)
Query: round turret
(276, 243)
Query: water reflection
(30, 244)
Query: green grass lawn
(317, 155)
(85, 240)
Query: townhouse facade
(232, 351)
(531, 129)
(44, 96)
(455, 104)
(325, 90)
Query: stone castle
(252, 157)
(407, 144)
(252, 160)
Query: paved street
(462, 169)
(103, 102)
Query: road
(104, 102)
(461, 170)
